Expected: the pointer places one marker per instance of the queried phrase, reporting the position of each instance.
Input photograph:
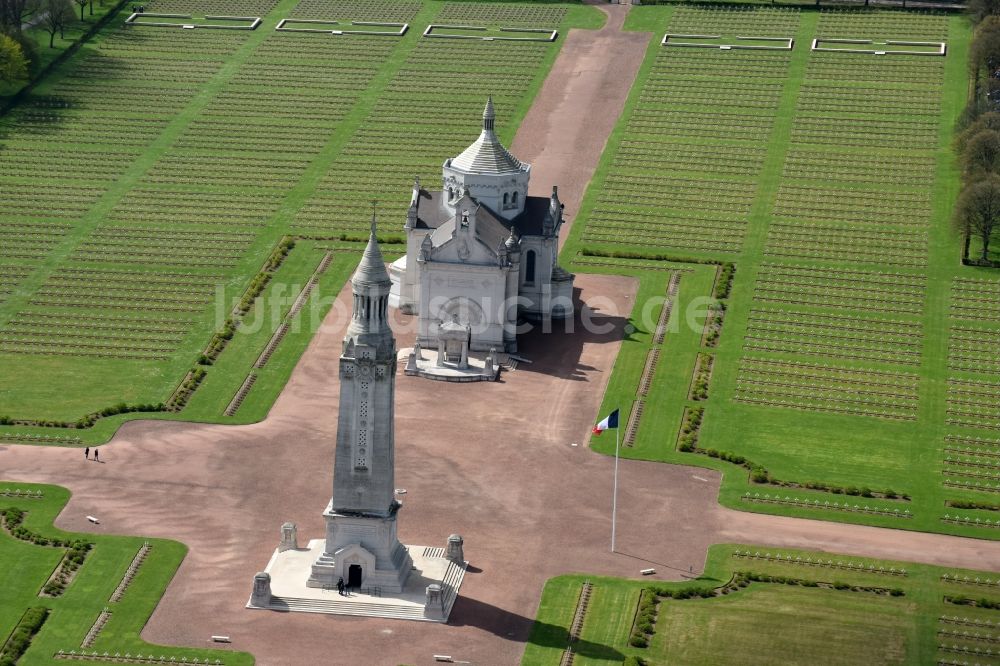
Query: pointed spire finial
(489, 115)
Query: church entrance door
(354, 576)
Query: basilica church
(480, 252)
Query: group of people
(97, 454)
(342, 589)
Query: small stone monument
(434, 606)
(261, 595)
(289, 538)
(455, 551)
(490, 365)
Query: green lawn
(124, 244)
(25, 567)
(851, 352)
(775, 623)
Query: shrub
(638, 640)
(725, 281)
(966, 504)
(629, 661)
(20, 638)
(896, 592)
(841, 585)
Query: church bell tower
(361, 543)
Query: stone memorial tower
(361, 544)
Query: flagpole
(614, 496)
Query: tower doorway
(354, 576)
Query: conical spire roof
(487, 154)
(371, 270)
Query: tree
(13, 64)
(985, 121)
(978, 211)
(82, 4)
(982, 154)
(14, 14)
(985, 48)
(980, 9)
(56, 14)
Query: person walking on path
(97, 456)
(340, 587)
(86, 453)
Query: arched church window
(529, 266)
(513, 198)
(451, 194)
(506, 199)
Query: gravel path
(565, 131)
(494, 462)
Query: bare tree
(984, 51)
(978, 211)
(980, 9)
(15, 13)
(982, 154)
(55, 15)
(82, 4)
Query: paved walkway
(495, 462)
(565, 131)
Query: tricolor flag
(611, 422)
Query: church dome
(487, 155)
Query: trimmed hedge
(20, 638)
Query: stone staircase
(452, 583)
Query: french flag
(609, 423)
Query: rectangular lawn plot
(828, 388)
(139, 43)
(843, 336)
(971, 463)
(874, 127)
(489, 34)
(727, 43)
(875, 24)
(497, 14)
(971, 456)
(187, 21)
(974, 387)
(735, 20)
(357, 10)
(214, 7)
(975, 300)
(872, 47)
(110, 313)
(872, 292)
(343, 28)
(794, 623)
(684, 175)
(974, 403)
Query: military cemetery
(754, 243)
